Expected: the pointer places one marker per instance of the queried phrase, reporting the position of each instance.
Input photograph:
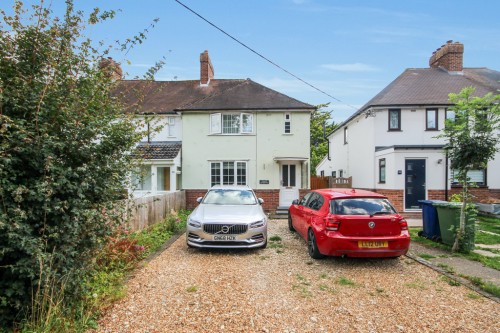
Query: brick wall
(191, 196)
(478, 193)
(270, 197)
(395, 196)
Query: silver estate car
(228, 217)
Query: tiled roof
(158, 150)
(430, 87)
(163, 97)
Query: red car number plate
(372, 244)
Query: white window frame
(474, 176)
(235, 176)
(242, 128)
(287, 121)
(216, 123)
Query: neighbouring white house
(390, 146)
(220, 131)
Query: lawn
(487, 232)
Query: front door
(414, 183)
(289, 189)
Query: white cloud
(356, 67)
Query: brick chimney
(449, 56)
(111, 68)
(206, 69)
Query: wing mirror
(198, 200)
(295, 202)
(260, 200)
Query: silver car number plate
(224, 238)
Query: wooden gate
(319, 182)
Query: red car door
(300, 215)
(314, 213)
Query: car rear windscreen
(361, 206)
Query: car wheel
(290, 225)
(312, 246)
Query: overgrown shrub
(63, 154)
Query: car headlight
(258, 224)
(194, 223)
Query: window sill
(287, 133)
(231, 134)
(432, 130)
(476, 186)
(394, 130)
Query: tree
(63, 153)
(473, 140)
(321, 125)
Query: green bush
(63, 155)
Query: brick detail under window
(271, 198)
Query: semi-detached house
(221, 131)
(390, 145)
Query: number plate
(224, 238)
(372, 244)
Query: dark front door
(414, 183)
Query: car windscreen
(361, 206)
(229, 197)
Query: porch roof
(160, 150)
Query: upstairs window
(345, 135)
(171, 126)
(394, 119)
(431, 119)
(334, 174)
(288, 123)
(231, 123)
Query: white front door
(290, 184)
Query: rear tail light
(332, 224)
(403, 224)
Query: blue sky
(349, 49)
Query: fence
(147, 211)
(330, 182)
(341, 182)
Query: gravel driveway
(280, 289)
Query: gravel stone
(281, 289)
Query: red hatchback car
(349, 222)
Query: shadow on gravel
(360, 262)
(225, 252)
